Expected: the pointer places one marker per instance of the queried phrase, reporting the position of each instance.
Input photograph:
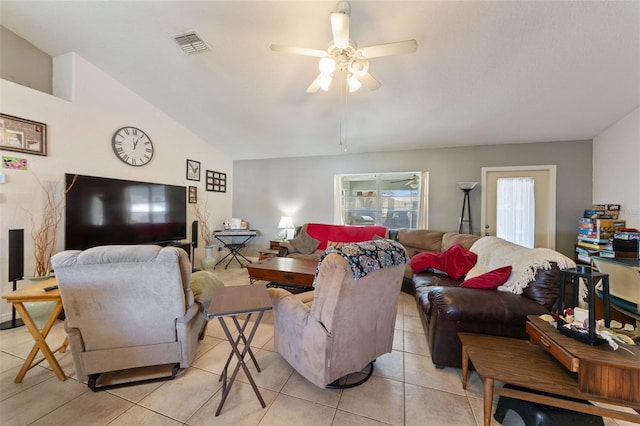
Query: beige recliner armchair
(127, 307)
(351, 319)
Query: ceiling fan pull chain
(344, 96)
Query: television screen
(101, 211)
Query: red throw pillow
(425, 260)
(490, 280)
(456, 261)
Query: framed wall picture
(21, 135)
(216, 181)
(193, 170)
(193, 194)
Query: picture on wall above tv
(102, 211)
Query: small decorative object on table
(591, 278)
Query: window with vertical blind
(394, 200)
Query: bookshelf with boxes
(601, 233)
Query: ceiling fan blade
(313, 87)
(388, 49)
(298, 50)
(368, 80)
(340, 29)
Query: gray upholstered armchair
(127, 307)
(351, 319)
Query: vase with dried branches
(45, 235)
(201, 213)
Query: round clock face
(132, 146)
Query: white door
(545, 200)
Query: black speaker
(194, 234)
(16, 271)
(16, 254)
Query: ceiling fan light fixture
(354, 83)
(327, 65)
(359, 67)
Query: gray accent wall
(264, 190)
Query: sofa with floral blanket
(506, 283)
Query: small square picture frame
(193, 194)
(193, 170)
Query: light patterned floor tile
(419, 370)
(290, 411)
(37, 401)
(443, 408)
(299, 387)
(378, 398)
(241, 408)
(90, 408)
(140, 416)
(181, 397)
(416, 343)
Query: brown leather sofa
(447, 309)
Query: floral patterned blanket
(368, 256)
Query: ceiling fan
(344, 55)
(411, 181)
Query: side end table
(231, 302)
(36, 293)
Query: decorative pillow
(203, 285)
(490, 280)
(425, 260)
(305, 243)
(457, 261)
(287, 244)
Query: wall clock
(132, 146)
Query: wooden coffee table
(574, 374)
(284, 270)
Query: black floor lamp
(466, 187)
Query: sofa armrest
(476, 305)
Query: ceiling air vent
(190, 43)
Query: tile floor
(406, 388)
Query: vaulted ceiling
(484, 73)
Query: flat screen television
(101, 211)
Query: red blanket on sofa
(343, 233)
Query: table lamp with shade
(286, 224)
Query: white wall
(79, 141)
(616, 167)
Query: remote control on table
(51, 287)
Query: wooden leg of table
(41, 343)
(465, 367)
(487, 385)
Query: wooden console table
(597, 374)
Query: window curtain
(516, 210)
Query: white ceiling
(484, 73)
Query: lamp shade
(467, 185)
(285, 223)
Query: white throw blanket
(494, 252)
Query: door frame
(551, 169)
